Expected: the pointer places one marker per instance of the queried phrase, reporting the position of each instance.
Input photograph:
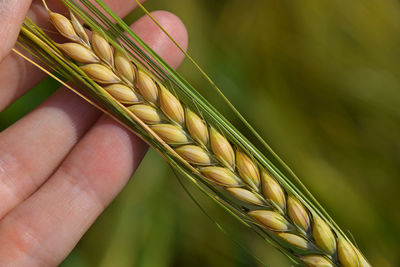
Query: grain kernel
(122, 93)
(245, 195)
(124, 66)
(147, 87)
(171, 106)
(316, 261)
(222, 148)
(64, 26)
(294, 240)
(102, 48)
(273, 191)
(80, 31)
(298, 213)
(146, 113)
(194, 154)
(323, 235)
(220, 175)
(196, 127)
(346, 254)
(78, 52)
(248, 170)
(100, 73)
(171, 134)
(270, 219)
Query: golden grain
(248, 170)
(194, 154)
(102, 48)
(346, 254)
(146, 113)
(171, 134)
(294, 240)
(78, 52)
(221, 176)
(79, 30)
(222, 148)
(64, 26)
(123, 93)
(323, 235)
(270, 219)
(316, 261)
(100, 73)
(171, 106)
(298, 213)
(273, 191)
(196, 127)
(147, 87)
(124, 67)
(245, 195)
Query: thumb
(12, 14)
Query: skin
(63, 163)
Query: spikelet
(171, 106)
(273, 191)
(102, 48)
(196, 127)
(323, 235)
(171, 134)
(346, 253)
(298, 213)
(316, 261)
(194, 154)
(248, 170)
(222, 149)
(147, 87)
(78, 52)
(221, 176)
(100, 73)
(146, 113)
(64, 26)
(122, 93)
(270, 219)
(294, 240)
(245, 195)
(124, 67)
(79, 30)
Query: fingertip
(173, 25)
(152, 35)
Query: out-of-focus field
(320, 81)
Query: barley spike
(284, 216)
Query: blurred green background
(320, 80)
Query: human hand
(63, 163)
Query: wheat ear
(206, 149)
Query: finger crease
(15, 176)
(79, 182)
(21, 237)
